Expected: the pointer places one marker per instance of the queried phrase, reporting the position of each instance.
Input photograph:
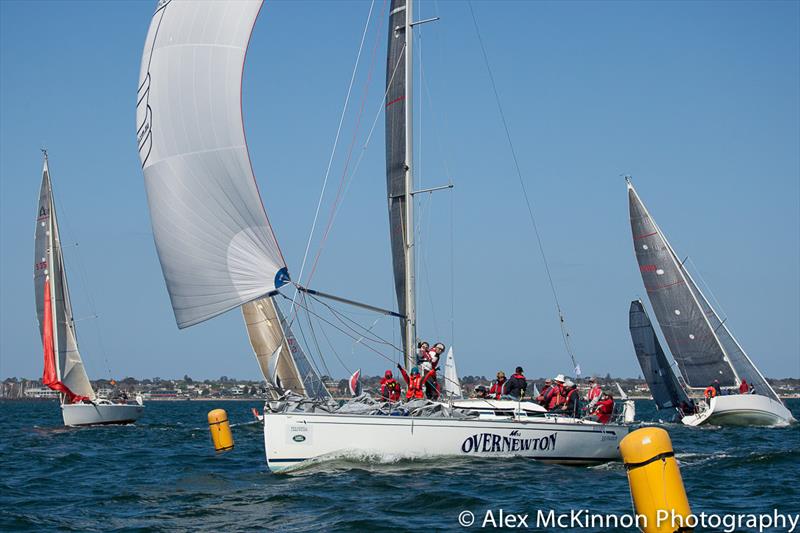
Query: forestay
(63, 367)
(216, 246)
(664, 386)
(690, 336)
(283, 362)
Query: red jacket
(554, 397)
(416, 383)
(497, 388)
(604, 409)
(390, 389)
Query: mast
(410, 296)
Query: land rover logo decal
(299, 438)
(493, 443)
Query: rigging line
(338, 357)
(708, 290)
(343, 180)
(342, 331)
(339, 316)
(528, 203)
(333, 153)
(311, 352)
(316, 342)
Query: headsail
(214, 241)
(664, 386)
(452, 385)
(688, 332)
(63, 368)
(283, 362)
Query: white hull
(742, 410)
(85, 414)
(292, 438)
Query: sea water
(163, 474)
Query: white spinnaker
(452, 385)
(214, 241)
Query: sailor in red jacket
(555, 396)
(416, 383)
(498, 387)
(390, 388)
(604, 408)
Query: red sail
(50, 376)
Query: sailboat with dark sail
(706, 352)
(63, 367)
(218, 250)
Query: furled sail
(283, 362)
(664, 386)
(689, 334)
(63, 367)
(215, 244)
(396, 151)
(452, 385)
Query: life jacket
(604, 410)
(568, 396)
(497, 388)
(415, 387)
(390, 389)
(593, 393)
(710, 392)
(744, 388)
(543, 394)
(554, 397)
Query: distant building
(41, 392)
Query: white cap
(559, 377)
(569, 383)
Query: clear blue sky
(699, 101)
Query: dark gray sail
(689, 334)
(745, 369)
(396, 150)
(664, 386)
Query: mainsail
(397, 165)
(283, 362)
(664, 386)
(452, 385)
(63, 367)
(691, 338)
(215, 243)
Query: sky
(698, 101)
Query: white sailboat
(701, 343)
(63, 367)
(218, 251)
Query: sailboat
(705, 350)
(218, 251)
(63, 367)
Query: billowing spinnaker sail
(452, 385)
(664, 386)
(282, 360)
(215, 244)
(396, 150)
(688, 333)
(53, 307)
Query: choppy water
(162, 474)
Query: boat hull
(85, 414)
(742, 410)
(291, 439)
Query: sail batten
(215, 244)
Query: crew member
(555, 395)
(498, 387)
(415, 382)
(717, 387)
(572, 400)
(710, 392)
(744, 388)
(594, 394)
(422, 351)
(517, 384)
(482, 392)
(603, 409)
(390, 388)
(548, 384)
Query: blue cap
(414, 370)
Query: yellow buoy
(655, 481)
(220, 430)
